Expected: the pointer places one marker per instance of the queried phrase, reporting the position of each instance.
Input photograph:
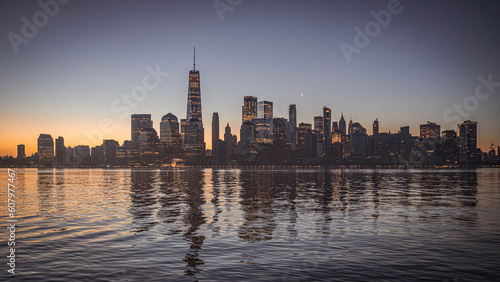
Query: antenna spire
(194, 58)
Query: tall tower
(138, 123)
(342, 127)
(45, 150)
(249, 109)
(327, 129)
(375, 127)
(215, 128)
(194, 133)
(194, 94)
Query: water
(254, 225)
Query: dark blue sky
(90, 54)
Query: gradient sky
(64, 80)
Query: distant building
(358, 138)
(21, 154)
(265, 115)
(109, 151)
(291, 128)
(215, 128)
(169, 131)
(249, 109)
(60, 150)
(327, 130)
(231, 142)
(375, 127)
(306, 142)
(139, 122)
(194, 143)
(429, 135)
(467, 142)
(45, 150)
(449, 146)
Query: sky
(80, 69)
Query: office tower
(291, 125)
(327, 130)
(430, 130)
(279, 132)
(60, 150)
(194, 134)
(342, 127)
(247, 150)
(109, 151)
(375, 127)
(318, 128)
(279, 151)
(350, 127)
(429, 135)
(183, 129)
(449, 146)
(97, 155)
(21, 154)
(306, 142)
(249, 109)
(335, 126)
(139, 122)
(381, 143)
(215, 128)
(45, 150)
(358, 140)
(219, 153)
(231, 142)
(194, 94)
(82, 152)
(169, 131)
(264, 121)
(467, 142)
(405, 142)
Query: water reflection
(142, 200)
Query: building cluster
(267, 140)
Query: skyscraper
(169, 131)
(215, 128)
(249, 109)
(139, 122)
(194, 94)
(342, 126)
(327, 129)
(264, 121)
(375, 127)
(194, 136)
(21, 151)
(429, 135)
(467, 142)
(292, 114)
(45, 150)
(60, 150)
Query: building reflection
(193, 218)
(143, 200)
(45, 185)
(256, 201)
(172, 197)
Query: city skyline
(66, 79)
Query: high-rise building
(194, 94)
(306, 142)
(231, 142)
(109, 151)
(249, 109)
(279, 152)
(45, 150)
(139, 122)
(60, 150)
(467, 142)
(292, 114)
(335, 126)
(358, 140)
(264, 121)
(342, 126)
(449, 146)
(215, 128)
(291, 125)
(375, 127)
(169, 131)
(429, 135)
(21, 154)
(327, 129)
(194, 135)
(318, 128)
